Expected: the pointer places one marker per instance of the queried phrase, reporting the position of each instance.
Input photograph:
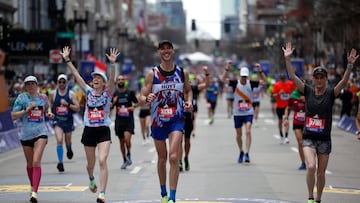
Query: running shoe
(128, 160)
(187, 165)
(311, 201)
(211, 120)
(60, 167)
(164, 199)
(124, 165)
(92, 186)
(302, 166)
(34, 198)
(101, 198)
(171, 201)
(180, 166)
(70, 154)
(247, 158)
(286, 141)
(241, 157)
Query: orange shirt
(283, 91)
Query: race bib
(123, 111)
(62, 110)
(36, 114)
(244, 106)
(284, 96)
(166, 112)
(316, 125)
(96, 116)
(299, 116)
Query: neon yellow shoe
(92, 186)
(164, 199)
(311, 201)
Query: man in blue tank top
(63, 103)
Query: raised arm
(288, 50)
(66, 56)
(351, 58)
(112, 58)
(261, 72)
(205, 84)
(224, 76)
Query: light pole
(81, 20)
(102, 25)
(123, 35)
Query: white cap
(31, 79)
(244, 71)
(101, 74)
(62, 76)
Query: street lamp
(81, 20)
(102, 24)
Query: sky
(206, 13)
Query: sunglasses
(61, 82)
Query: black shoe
(100, 200)
(60, 167)
(69, 154)
(187, 165)
(33, 200)
(180, 166)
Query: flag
(99, 65)
(140, 27)
(86, 68)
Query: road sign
(70, 35)
(55, 56)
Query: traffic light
(193, 25)
(226, 26)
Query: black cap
(320, 70)
(165, 42)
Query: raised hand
(288, 50)
(113, 55)
(66, 52)
(352, 56)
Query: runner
(63, 103)
(165, 87)
(144, 118)
(125, 101)
(31, 108)
(297, 103)
(243, 109)
(190, 119)
(282, 90)
(96, 119)
(319, 100)
(211, 97)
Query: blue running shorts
(162, 133)
(240, 120)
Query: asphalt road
(214, 176)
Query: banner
(86, 68)
(347, 124)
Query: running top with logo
(243, 97)
(212, 92)
(229, 92)
(168, 87)
(318, 116)
(256, 94)
(124, 101)
(63, 114)
(97, 110)
(283, 91)
(298, 106)
(33, 124)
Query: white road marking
(135, 170)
